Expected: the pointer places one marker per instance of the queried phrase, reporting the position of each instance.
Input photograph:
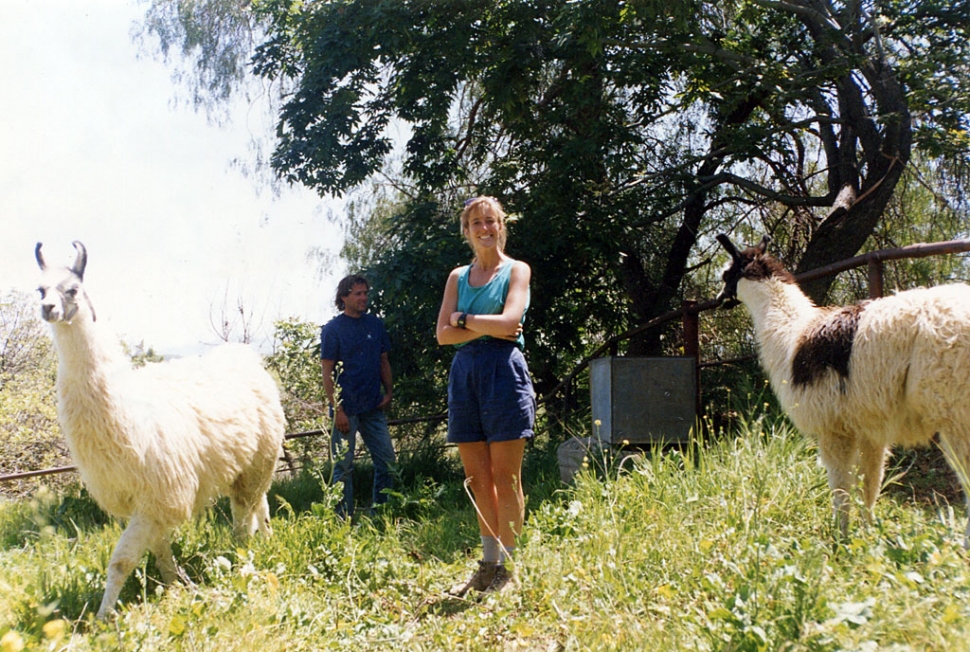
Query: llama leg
(261, 515)
(839, 455)
(248, 518)
(134, 541)
(242, 519)
(955, 443)
(872, 466)
(250, 508)
(165, 561)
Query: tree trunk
(653, 301)
(885, 147)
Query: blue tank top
(488, 299)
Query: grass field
(728, 546)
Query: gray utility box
(643, 400)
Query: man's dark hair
(346, 286)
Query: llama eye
(42, 292)
(71, 293)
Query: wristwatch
(461, 319)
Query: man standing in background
(354, 356)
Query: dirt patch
(923, 476)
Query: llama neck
(780, 312)
(93, 376)
(87, 356)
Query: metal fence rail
(23, 475)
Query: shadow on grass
(923, 477)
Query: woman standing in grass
(491, 403)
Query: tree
(623, 134)
(296, 361)
(214, 37)
(24, 344)
(29, 435)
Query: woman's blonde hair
(474, 206)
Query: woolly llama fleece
(861, 378)
(157, 445)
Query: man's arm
(339, 417)
(385, 381)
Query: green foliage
(29, 435)
(940, 29)
(140, 356)
(24, 345)
(367, 231)
(409, 282)
(216, 36)
(925, 209)
(296, 361)
(728, 546)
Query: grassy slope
(727, 549)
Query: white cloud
(90, 149)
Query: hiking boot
(501, 581)
(480, 580)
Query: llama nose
(46, 310)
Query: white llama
(861, 378)
(156, 445)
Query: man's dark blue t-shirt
(358, 343)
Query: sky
(93, 147)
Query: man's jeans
(372, 427)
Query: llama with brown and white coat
(156, 445)
(861, 378)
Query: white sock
(491, 550)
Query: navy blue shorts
(490, 395)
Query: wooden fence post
(690, 321)
(691, 324)
(875, 278)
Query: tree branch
(803, 11)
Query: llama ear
(94, 314)
(40, 257)
(728, 245)
(81, 261)
(763, 245)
